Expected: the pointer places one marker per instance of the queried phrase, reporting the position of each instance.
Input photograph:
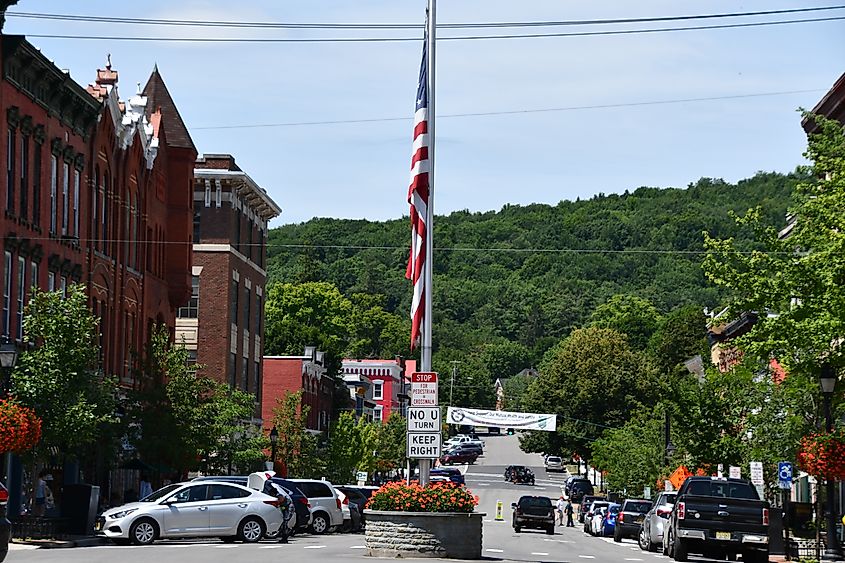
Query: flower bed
(414, 521)
(21, 427)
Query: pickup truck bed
(716, 517)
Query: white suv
(554, 463)
(326, 507)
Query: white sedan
(195, 509)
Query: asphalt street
(484, 478)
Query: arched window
(127, 213)
(95, 218)
(104, 214)
(136, 215)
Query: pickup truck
(533, 512)
(719, 518)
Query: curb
(88, 541)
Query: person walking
(39, 498)
(146, 488)
(285, 505)
(569, 510)
(559, 509)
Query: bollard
(499, 517)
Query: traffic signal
(510, 431)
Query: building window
(33, 274)
(378, 390)
(232, 374)
(7, 293)
(127, 213)
(76, 203)
(63, 286)
(237, 234)
(54, 183)
(377, 414)
(247, 300)
(65, 197)
(104, 215)
(256, 375)
(24, 176)
(235, 295)
(36, 185)
(136, 215)
(51, 281)
(21, 294)
(196, 226)
(94, 235)
(258, 314)
(245, 373)
(191, 360)
(249, 229)
(191, 310)
(207, 193)
(11, 139)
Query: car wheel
(517, 529)
(320, 523)
(617, 535)
(679, 550)
(143, 532)
(251, 530)
(551, 530)
(644, 540)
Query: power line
(394, 26)
(415, 39)
(511, 112)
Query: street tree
(799, 277)
(345, 449)
(58, 375)
(296, 448)
(593, 381)
(680, 335)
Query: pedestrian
(560, 506)
(285, 505)
(146, 488)
(39, 501)
(569, 510)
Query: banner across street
(502, 419)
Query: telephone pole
(452, 383)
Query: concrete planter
(454, 535)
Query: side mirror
(170, 500)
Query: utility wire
(510, 112)
(390, 26)
(416, 39)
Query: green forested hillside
(522, 278)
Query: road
(485, 479)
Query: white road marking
(587, 556)
(225, 546)
(314, 547)
(632, 559)
(358, 547)
(538, 553)
(270, 547)
(488, 520)
(495, 550)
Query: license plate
(723, 535)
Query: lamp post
(833, 551)
(274, 439)
(8, 358)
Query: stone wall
(424, 534)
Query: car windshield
(554, 459)
(668, 499)
(724, 489)
(161, 493)
(614, 509)
(642, 507)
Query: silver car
(651, 532)
(554, 463)
(195, 509)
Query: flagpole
(425, 464)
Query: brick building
(92, 195)
(376, 385)
(306, 373)
(223, 323)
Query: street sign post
(424, 445)
(735, 472)
(424, 389)
(757, 477)
(424, 419)
(785, 475)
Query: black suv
(534, 512)
(579, 489)
(630, 519)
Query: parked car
(451, 457)
(585, 505)
(594, 525)
(554, 463)
(453, 473)
(567, 485)
(465, 439)
(533, 512)
(326, 511)
(194, 509)
(608, 524)
(719, 518)
(465, 448)
(351, 513)
(5, 526)
(630, 519)
(300, 502)
(651, 535)
(579, 489)
(594, 507)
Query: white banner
(502, 419)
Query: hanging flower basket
(823, 455)
(21, 427)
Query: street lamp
(274, 438)
(8, 357)
(833, 551)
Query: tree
(633, 316)
(344, 453)
(375, 332)
(308, 314)
(296, 448)
(592, 380)
(504, 359)
(679, 336)
(185, 421)
(58, 377)
(515, 389)
(798, 277)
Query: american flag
(418, 199)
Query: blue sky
(361, 170)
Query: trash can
(79, 507)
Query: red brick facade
(98, 195)
(283, 374)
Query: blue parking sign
(785, 475)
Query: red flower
(21, 427)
